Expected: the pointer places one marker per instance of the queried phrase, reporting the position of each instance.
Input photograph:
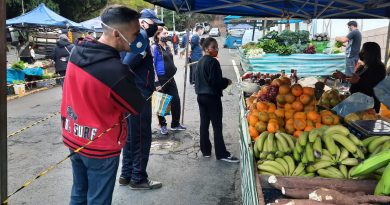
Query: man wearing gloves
(137, 148)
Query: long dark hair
(206, 42)
(371, 54)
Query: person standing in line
(175, 42)
(166, 70)
(196, 51)
(183, 44)
(61, 56)
(354, 39)
(209, 85)
(137, 149)
(98, 90)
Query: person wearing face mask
(98, 90)
(166, 70)
(209, 85)
(196, 51)
(354, 39)
(368, 75)
(137, 149)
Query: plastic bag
(354, 103)
(160, 104)
(382, 91)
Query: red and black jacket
(98, 90)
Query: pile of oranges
(294, 112)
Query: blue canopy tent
(227, 19)
(42, 17)
(93, 24)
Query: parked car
(214, 32)
(205, 25)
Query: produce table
(306, 64)
(13, 74)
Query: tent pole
(264, 25)
(387, 44)
(253, 33)
(3, 110)
(185, 77)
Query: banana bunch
(283, 166)
(269, 146)
(376, 144)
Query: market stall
(298, 146)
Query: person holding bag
(165, 72)
(209, 84)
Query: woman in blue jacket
(166, 70)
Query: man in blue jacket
(137, 148)
(196, 51)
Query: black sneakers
(231, 159)
(124, 181)
(149, 184)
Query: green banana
(256, 152)
(298, 170)
(350, 171)
(279, 154)
(347, 143)
(313, 135)
(270, 142)
(376, 142)
(386, 146)
(263, 155)
(338, 154)
(304, 159)
(309, 152)
(386, 181)
(359, 154)
(302, 140)
(270, 156)
(296, 155)
(289, 140)
(368, 140)
(381, 170)
(326, 152)
(283, 142)
(290, 163)
(339, 129)
(274, 145)
(372, 163)
(260, 141)
(343, 169)
(284, 164)
(275, 164)
(327, 158)
(299, 148)
(279, 147)
(377, 150)
(302, 173)
(309, 175)
(319, 165)
(317, 147)
(326, 173)
(344, 154)
(379, 188)
(350, 162)
(330, 145)
(335, 171)
(270, 169)
(355, 140)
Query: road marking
(236, 70)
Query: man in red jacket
(98, 89)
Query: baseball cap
(150, 14)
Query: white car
(214, 32)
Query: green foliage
(134, 4)
(338, 44)
(183, 21)
(47, 76)
(269, 46)
(18, 66)
(298, 48)
(18, 82)
(284, 50)
(14, 7)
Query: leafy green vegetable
(269, 46)
(18, 66)
(18, 82)
(338, 44)
(284, 50)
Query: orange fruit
(300, 115)
(326, 112)
(261, 126)
(308, 128)
(297, 106)
(308, 91)
(305, 99)
(290, 122)
(262, 106)
(327, 120)
(279, 113)
(253, 132)
(336, 119)
(299, 124)
(296, 90)
(318, 125)
(309, 108)
(297, 133)
(284, 89)
(290, 128)
(288, 106)
(263, 116)
(272, 127)
(290, 98)
(274, 120)
(272, 115)
(310, 123)
(252, 120)
(312, 115)
(271, 107)
(289, 114)
(280, 122)
(280, 99)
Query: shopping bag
(161, 104)
(382, 91)
(354, 103)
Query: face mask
(213, 52)
(164, 39)
(151, 30)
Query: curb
(13, 97)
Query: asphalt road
(176, 161)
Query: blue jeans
(350, 65)
(137, 148)
(93, 180)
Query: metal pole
(162, 14)
(3, 109)
(264, 27)
(254, 28)
(387, 44)
(185, 77)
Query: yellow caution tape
(33, 124)
(35, 81)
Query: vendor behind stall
(368, 75)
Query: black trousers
(210, 107)
(171, 89)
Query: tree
(14, 7)
(183, 21)
(134, 4)
(81, 10)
